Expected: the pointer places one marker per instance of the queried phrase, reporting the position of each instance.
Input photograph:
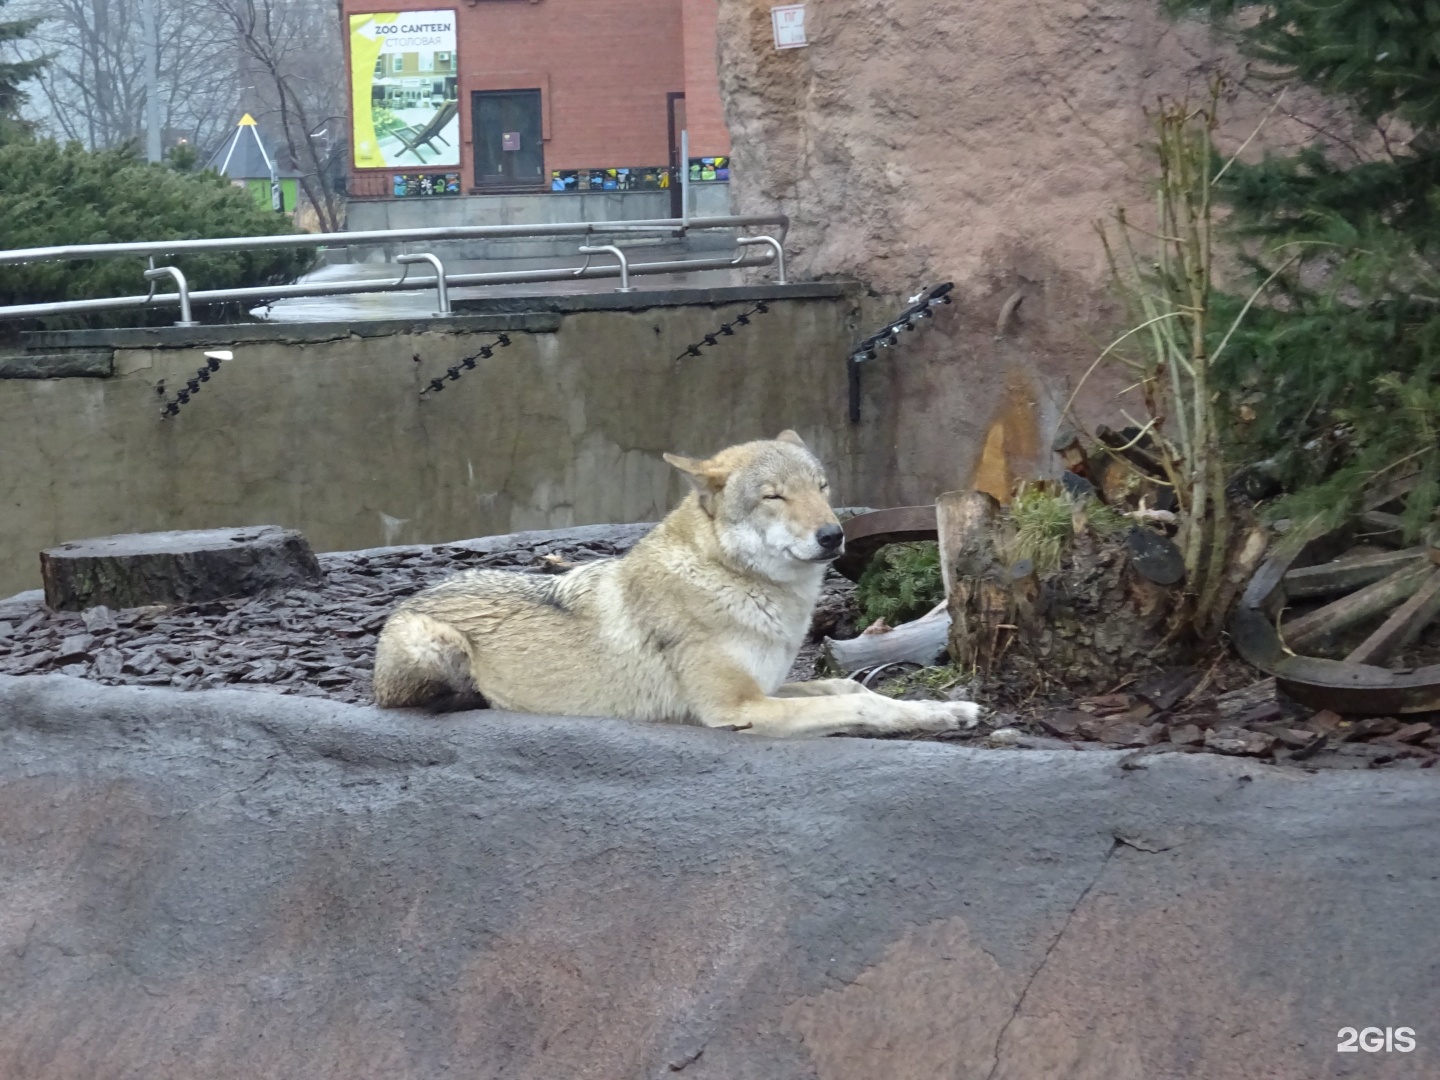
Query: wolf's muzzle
(831, 539)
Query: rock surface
(253, 886)
(178, 567)
(914, 142)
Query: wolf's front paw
(941, 715)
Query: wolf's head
(770, 503)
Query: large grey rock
(232, 885)
(178, 567)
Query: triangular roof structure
(245, 155)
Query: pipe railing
(441, 285)
(265, 293)
(182, 289)
(610, 249)
(678, 226)
(442, 282)
(775, 245)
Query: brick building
(507, 97)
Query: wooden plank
(1379, 527)
(1324, 624)
(1345, 575)
(1403, 626)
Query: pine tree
(12, 76)
(1333, 382)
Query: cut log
(1343, 575)
(1322, 625)
(977, 586)
(139, 569)
(1403, 626)
(921, 641)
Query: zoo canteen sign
(404, 89)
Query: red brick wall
(604, 68)
(705, 117)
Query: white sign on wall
(789, 22)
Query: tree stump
(1087, 623)
(977, 589)
(139, 569)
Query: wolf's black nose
(829, 537)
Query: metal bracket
(442, 287)
(181, 286)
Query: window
(379, 67)
(399, 63)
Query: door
(676, 107)
(507, 132)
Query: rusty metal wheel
(1338, 597)
(866, 534)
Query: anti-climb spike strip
(922, 306)
(466, 364)
(192, 384)
(726, 330)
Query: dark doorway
(509, 152)
(675, 106)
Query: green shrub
(53, 195)
(901, 583)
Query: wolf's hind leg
(419, 661)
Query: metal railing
(658, 228)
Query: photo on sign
(404, 86)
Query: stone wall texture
(968, 140)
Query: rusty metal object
(1351, 688)
(866, 534)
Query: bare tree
(294, 67)
(93, 90)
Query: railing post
(774, 245)
(181, 286)
(442, 287)
(685, 179)
(611, 249)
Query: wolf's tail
(421, 661)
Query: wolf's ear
(789, 436)
(705, 475)
(707, 478)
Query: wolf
(698, 623)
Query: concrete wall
(325, 430)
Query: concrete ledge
(532, 314)
(231, 884)
(642, 299)
(76, 364)
(528, 320)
